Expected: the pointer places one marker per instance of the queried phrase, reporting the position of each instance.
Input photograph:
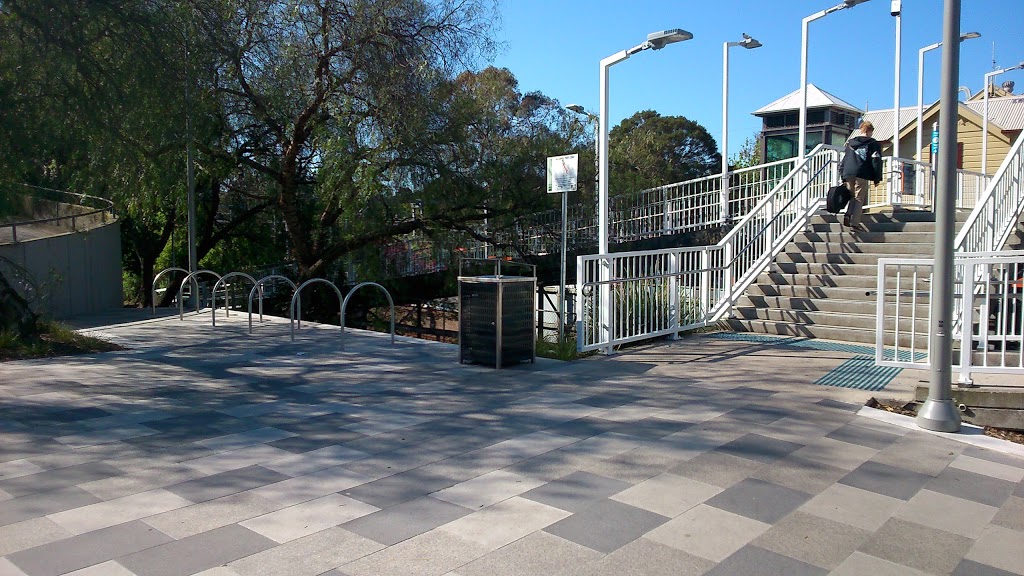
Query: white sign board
(562, 172)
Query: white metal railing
(907, 182)
(636, 295)
(998, 210)
(988, 330)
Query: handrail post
(675, 311)
(967, 325)
(705, 280)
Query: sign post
(562, 179)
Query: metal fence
(35, 211)
(907, 182)
(987, 328)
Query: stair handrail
(998, 211)
(741, 272)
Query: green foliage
(550, 347)
(648, 150)
(53, 339)
(749, 153)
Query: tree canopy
(648, 150)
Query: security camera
(894, 7)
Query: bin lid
(493, 278)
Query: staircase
(823, 284)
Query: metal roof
(816, 98)
(1006, 112)
(883, 120)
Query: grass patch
(54, 339)
(550, 347)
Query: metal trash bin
(496, 315)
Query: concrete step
(834, 319)
(908, 227)
(887, 249)
(846, 235)
(864, 281)
(811, 257)
(826, 269)
(866, 305)
(770, 290)
(898, 216)
(843, 334)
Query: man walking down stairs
(822, 285)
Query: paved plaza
(208, 451)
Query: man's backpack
(836, 198)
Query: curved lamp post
(748, 43)
(920, 103)
(984, 129)
(655, 41)
(802, 136)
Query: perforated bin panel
(496, 320)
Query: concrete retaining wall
(73, 274)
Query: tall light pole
(802, 136)
(984, 128)
(896, 9)
(655, 41)
(748, 43)
(920, 102)
(938, 412)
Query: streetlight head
(969, 36)
(577, 108)
(749, 43)
(852, 3)
(659, 40)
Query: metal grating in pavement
(859, 372)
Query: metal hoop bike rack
(345, 304)
(259, 286)
(164, 271)
(227, 295)
(295, 297)
(192, 277)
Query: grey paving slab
(393, 490)
(919, 547)
(754, 560)
(884, 479)
(760, 500)
(217, 485)
(538, 553)
(606, 525)
(29, 534)
(972, 568)
(576, 491)
(196, 553)
(760, 448)
(51, 480)
(43, 503)
(855, 434)
(812, 540)
(648, 558)
(970, 486)
(403, 521)
(88, 549)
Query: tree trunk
(15, 314)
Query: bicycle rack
(292, 308)
(192, 277)
(345, 304)
(164, 271)
(259, 286)
(227, 295)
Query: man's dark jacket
(862, 158)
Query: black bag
(836, 198)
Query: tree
(749, 153)
(648, 150)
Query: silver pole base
(939, 416)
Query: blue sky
(554, 46)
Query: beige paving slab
(218, 571)
(105, 436)
(308, 517)
(708, 532)
(244, 439)
(948, 513)
(538, 554)
(505, 522)
(118, 511)
(861, 564)
(307, 556)
(205, 516)
(9, 569)
(29, 534)
(429, 554)
(999, 547)
(853, 506)
(236, 459)
(667, 494)
(140, 481)
(314, 460)
(109, 568)
(604, 445)
(487, 489)
(310, 486)
(18, 468)
(836, 453)
(988, 468)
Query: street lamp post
(896, 10)
(655, 41)
(748, 43)
(984, 129)
(920, 104)
(802, 136)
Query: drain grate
(861, 373)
